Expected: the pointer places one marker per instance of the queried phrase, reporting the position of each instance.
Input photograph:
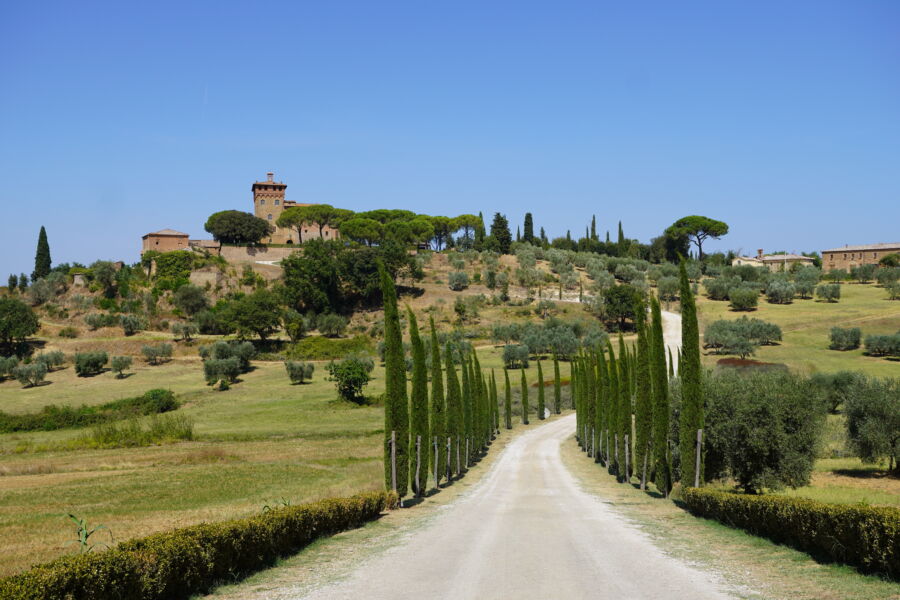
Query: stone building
(853, 256)
(164, 240)
(269, 202)
(774, 262)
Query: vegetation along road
(527, 530)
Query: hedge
(193, 560)
(865, 537)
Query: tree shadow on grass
(863, 473)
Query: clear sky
(780, 118)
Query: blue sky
(780, 118)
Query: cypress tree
(662, 476)
(643, 402)
(396, 409)
(524, 399)
(691, 386)
(454, 411)
(557, 387)
(529, 229)
(540, 392)
(671, 365)
(438, 411)
(467, 401)
(41, 257)
(590, 394)
(620, 244)
(604, 400)
(418, 408)
(625, 409)
(594, 227)
(572, 384)
(495, 409)
(507, 402)
(479, 405)
(613, 413)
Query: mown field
(806, 325)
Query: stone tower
(268, 198)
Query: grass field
(806, 325)
(262, 440)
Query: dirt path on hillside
(672, 334)
(526, 530)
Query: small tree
(458, 281)
(236, 227)
(845, 339)
(743, 298)
(51, 360)
(331, 325)
(120, 364)
(190, 299)
(130, 324)
(221, 371)
(829, 292)
(515, 356)
(17, 322)
(780, 292)
(873, 421)
(88, 364)
(256, 314)
(184, 331)
(351, 375)
(299, 372)
(157, 354)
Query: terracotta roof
(781, 257)
(167, 232)
(863, 248)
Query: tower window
(270, 217)
(276, 201)
(262, 201)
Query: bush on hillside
(68, 332)
(862, 536)
(157, 354)
(829, 292)
(836, 388)
(323, 348)
(190, 299)
(845, 339)
(873, 421)
(30, 375)
(88, 364)
(51, 360)
(743, 298)
(351, 375)
(120, 364)
(780, 292)
(331, 325)
(299, 372)
(244, 352)
(130, 324)
(515, 356)
(97, 320)
(221, 371)
(7, 365)
(883, 345)
(458, 281)
(184, 331)
(740, 336)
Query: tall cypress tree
(613, 414)
(594, 227)
(480, 403)
(671, 365)
(625, 409)
(557, 387)
(524, 399)
(691, 386)
(500, 232)
(418, 409)
(540, 405)
(604, 402)
(495, 409)
(396, 409)
(479, 232)
(467, 401)
(643, 403)
(438, 411)
(528, 236)
(621, 244)
(507, 401)
(41, 257)
(572, 384)
(662, 475)
(454, 410)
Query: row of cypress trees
(622, 399)
(437, 436)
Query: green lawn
(806, 325)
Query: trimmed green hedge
(865, 537)
(193, 560)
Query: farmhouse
(853, 256)
(774, 262)
(165, 240)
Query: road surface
(526, 530)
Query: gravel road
(526, 530)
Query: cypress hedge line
(192, 560)
(865, 537)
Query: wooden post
(458, 462)
(394, 460)
(467, 453)
(644, 468)
(418, 464)
(616, 447)
(437, 481)
(594, 444)
(449, 462)
(608, 459)
(627, 456)
(697, 458)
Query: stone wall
(250, 254)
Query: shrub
(157, 354)
(130, 324)
(299, 372)
(17, 321)
(51, 360)
(7, 364)
(893, 290)
(668, 288)
(458, 281)
(132, 433)
(68, 332)
(863, 536)
(190, 299)
(294, 324)
(30, 375)
(863, 273)
(515, 356)
(331, 325)
(740, 336)
(184, 331)
(97, 320)
(243, 351)
(212, 322)
(88, 364)
(119, 364)
(780, 292)
(883, 345)
(490, 279)
(873, 421)
(221, 371)
(323, 348)
(845, 339)
(743, 298)
(351, 375)
(829, 292)
(190, 561)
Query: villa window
(276, 201)
(270, 217)
(262, 201)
